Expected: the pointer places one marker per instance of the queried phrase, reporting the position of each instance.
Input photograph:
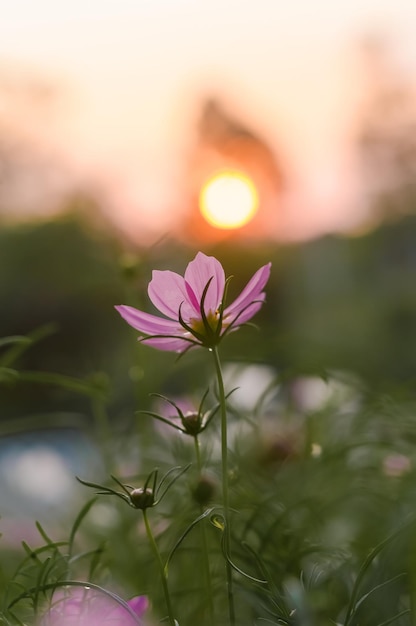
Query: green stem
(225, 495)
(161, 567)
(205, 557)
(198, 455)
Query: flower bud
(192, 422)
(278, 451)
(142, 498)
(204, 490)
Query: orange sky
(133, 73)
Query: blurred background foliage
(323, 466)
(337, 302)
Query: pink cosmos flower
(78, 607)
(194, 306)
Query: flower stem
(198, 455)
(161, 567)
(205, 557)
(225, 496)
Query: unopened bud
(204, 490)
(278, 451)
(142, 498)
(192, 423)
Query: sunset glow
(228, 200)
(98, 113)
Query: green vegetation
(322, 459)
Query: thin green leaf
(16, 619)
(366, 564)
(256, 557)
(102, 490)
(393, 619)
(77, 583)
(21, 344)
(172, 481)
(43, 533)
(84, 555)
(222, 306)
(219, 522)
(8, 375)
(175, 406)
(32, 554)
(40, 581)
(12, 339)
(160, 418)
(69, 383)
(185, 534)
(120, 484)
(376, 588)
(78, 520)
(96, 559)
(208, 330)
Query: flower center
(199, 326)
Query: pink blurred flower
(87, 607)
(194, 306)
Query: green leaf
(13, 339)
(77, 385)
(396, 617)
(376, 588)
(19, 344)
(365, 566)
(8, 375)
(219, 522)
(44, 534)
(184, 534)
(76, 583)
(78, 520)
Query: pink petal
(198, 274)
(167, 291)
(251, 292)
(249, 312)
(146, 323)
(139, 604)
(168, 344)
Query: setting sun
(228, 200)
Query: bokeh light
(229, 200)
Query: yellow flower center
(197, 324)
